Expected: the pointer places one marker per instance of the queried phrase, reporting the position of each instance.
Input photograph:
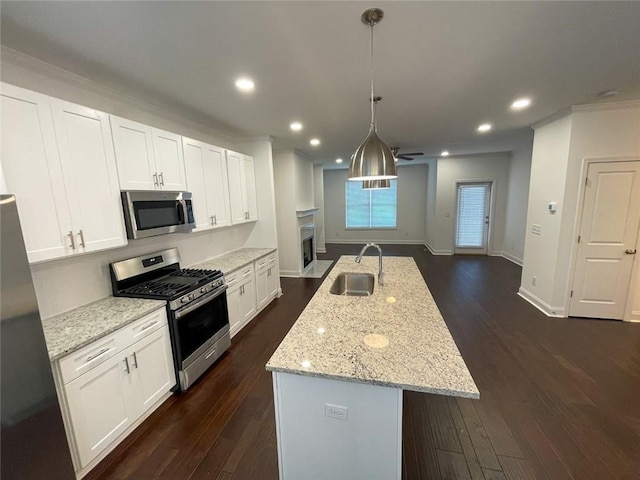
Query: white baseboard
(380, 242)
(437, 252)
(321, 250)
(290, 273)
(541, 305)
(508, 256)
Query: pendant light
(376, 184)
(373, 160)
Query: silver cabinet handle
(155, 180)
(161, 179)
(630, 251)
(81, 235)
(135, 360)
(126, 364)
(211, 220)
(96, 355)
(73, 243)
(215, 220)
(149, 325)
(210, 352)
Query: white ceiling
(442, 68)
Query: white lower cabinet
(250, 289)
(111, 384)
(267, 284)
(241, 297)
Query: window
(372, 208)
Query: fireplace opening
(307, 252)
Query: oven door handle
(201, 301)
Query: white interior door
(472, 217)
(607, 240)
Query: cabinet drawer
(74, 365)
(261, 264)
(232, 278)
(144, 326)
(247, 272)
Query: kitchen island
(339, 374)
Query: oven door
(148, 214)
(198, 323)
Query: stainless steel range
(196, 307)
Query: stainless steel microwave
(149, 213)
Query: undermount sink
(353, 284)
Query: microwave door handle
(201, 301)
(182, 212)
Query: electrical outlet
(534, 280)
(336, 411)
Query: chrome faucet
(364, 249)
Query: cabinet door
(90, 175)
(151, 363)
(100, 407)
(167, 149)
(233, 305)
(248, 300)
(262, 293)
(194, 153)
(134, 153)
(32, 171)
(236, 195)
(215, 175)
(249, 188)
(272, 281)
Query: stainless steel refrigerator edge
(33, 443)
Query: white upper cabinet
(90, 176)
(242, 190)
(32, 171)
(57, 157)
(206, 172)
(148, 158)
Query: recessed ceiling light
(521, 103)
(245, 84)
(608, 93)
(485, 127)
(296, 126)
(315, 142)
(338, 160)
(444, 154)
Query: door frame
(577, 225)
(492, 205)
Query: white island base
(329, 429)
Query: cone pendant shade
(373, 160)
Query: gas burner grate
(196, 273)
(160, 289)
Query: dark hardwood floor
(560, 398)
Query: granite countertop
(232, 261)
(332, 337)
(73, 330)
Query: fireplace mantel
(307, 212)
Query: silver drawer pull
(81, 234)
(210, 352)
(135, 360)
(96, 355)
(126, 364)
(73, 243)
(161, 177)
(149, 325)
(155, 180)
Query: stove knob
(184, 299)
(203, 290)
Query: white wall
(604, 132)
(318, 195)
(287, 224)
(64, 284)
(412, 198)
(516, 209)
(430, 216)
(303, 182)
(486, 167)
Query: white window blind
(372, 208)
(472, 205)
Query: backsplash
(62, 285)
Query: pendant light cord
(373, 122)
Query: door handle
(630, 251)
(81, 234)
(161, 179)
(135, 360)
(155, 180)
(73, 243)
(126, 364)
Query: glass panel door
(472, 217)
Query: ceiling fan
(405, 156)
